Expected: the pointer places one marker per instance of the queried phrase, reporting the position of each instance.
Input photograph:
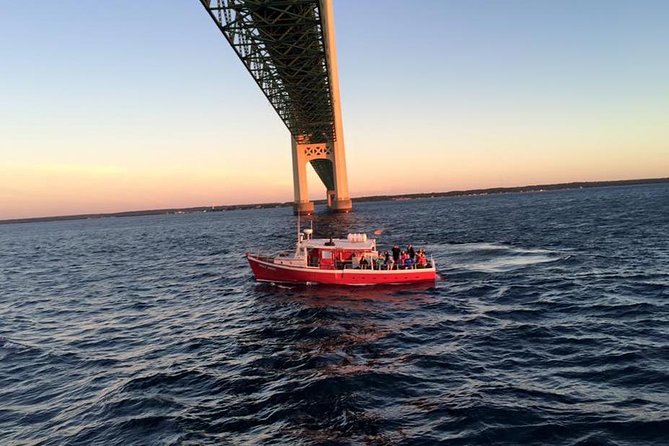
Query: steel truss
(281, 43)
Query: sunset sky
(127, 105)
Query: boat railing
(372, 266)
(266, 256)
(347, 265)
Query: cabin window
(326, 255)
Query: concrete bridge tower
(338, 199)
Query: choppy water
(551, 326)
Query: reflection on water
(334, 343)
(332, 225)
(363, 297)
(334, 322)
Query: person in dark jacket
(396, 253)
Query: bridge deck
(282, 44)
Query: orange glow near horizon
(48, 190)
(65, 189)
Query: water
(551, 326)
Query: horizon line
(415, 195)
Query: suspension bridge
(288, 47)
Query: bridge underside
(284, 45)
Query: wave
(11, 346)
(548, 327)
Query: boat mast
(298, 226)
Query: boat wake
(496, 257)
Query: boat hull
(266, 271)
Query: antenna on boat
(298, 225)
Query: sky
(116, 106)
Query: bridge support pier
(342, 200)
(338, 199)
(302, 205)
(334, 178)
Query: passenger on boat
(411, 252)
(396, 253)
(355, 261)
(403, 257)
(408, 263)
(364, 263)
(389, 262)
(421, 259)
(379, 261)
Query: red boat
(351, 261)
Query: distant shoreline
(488, 191)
